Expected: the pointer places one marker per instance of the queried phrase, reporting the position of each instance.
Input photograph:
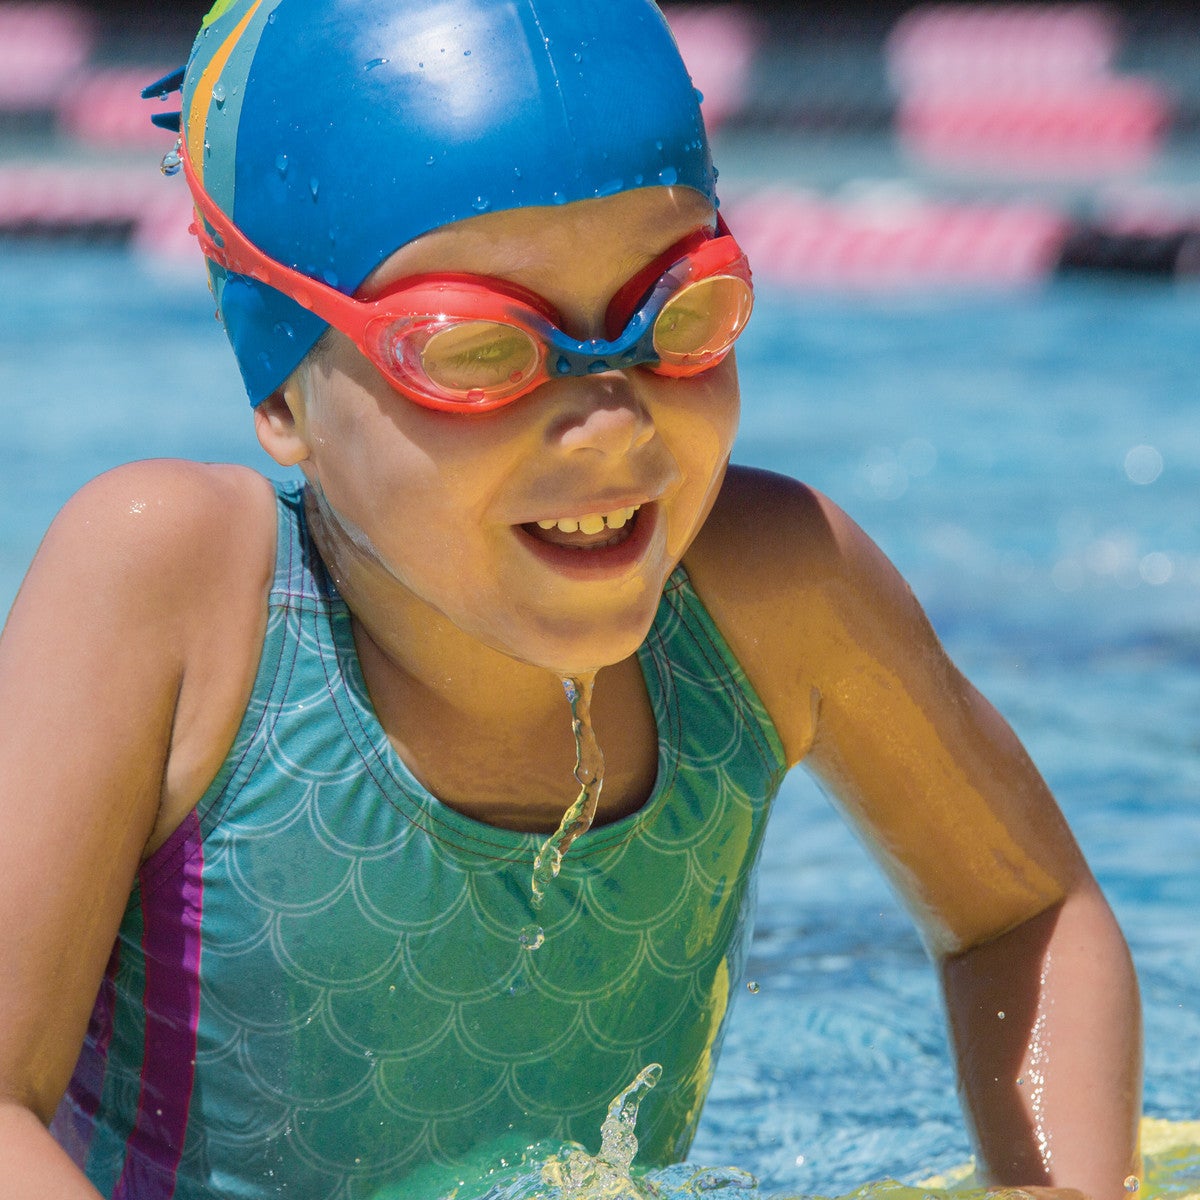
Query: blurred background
(1071, 128)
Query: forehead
(604, 240)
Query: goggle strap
(235, 252)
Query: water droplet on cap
(699, 95)
(218, 93)
(313, 184)
(281, 163)
(330, 277)
(752, 987)
(479, 204)
(375, 62)
(283, 329)
(172, 162)
(563, 366)
(668, 176)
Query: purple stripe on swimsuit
(171, 917)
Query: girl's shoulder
(798, 590)
(158, 572)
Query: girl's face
(545, 529)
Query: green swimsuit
(318, 986)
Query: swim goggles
(468, 343)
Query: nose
(612, 422)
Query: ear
(279, 424)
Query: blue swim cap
(332, 132)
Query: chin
(581, 650)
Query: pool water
(1030, 461)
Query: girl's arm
(944, 797)
(124, 666)
(1045, 1024)
(34, 1165)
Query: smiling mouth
(596, 531)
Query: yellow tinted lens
(478, 356)
(703, 319)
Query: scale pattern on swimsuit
(329, 957)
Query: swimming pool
(1030, 460)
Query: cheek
(700, 422)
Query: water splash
(606, 1176)
(589, 773)
(568, 1172)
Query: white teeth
(593, 523)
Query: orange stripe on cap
(202, 96)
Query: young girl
(279, 762)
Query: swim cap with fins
(332, 132)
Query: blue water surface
(1030, 461)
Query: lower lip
(602, 561)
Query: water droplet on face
(752, 987)
(281, 163)
(375, 62)
(218, 93)
(1000, 1016)
(1132, 1183)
